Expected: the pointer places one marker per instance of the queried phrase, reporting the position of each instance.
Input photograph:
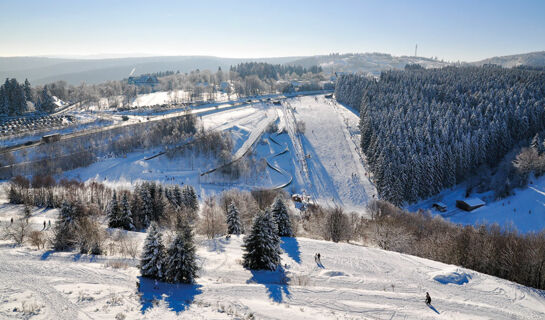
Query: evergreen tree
(234, 225)
(190, 197)
(64, 237)
(46, 103)
(282, 218)
(153, 254)
(113, 212)
(177, 196)
(28, 90)
(262, 245)
(125, 219)
(181, 266)
(147, 206)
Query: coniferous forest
(427, 129)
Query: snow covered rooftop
(474, 202)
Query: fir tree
(181, 266)
(64, 236)
(125, 219)
(234, 226)
(262, 245)
(177, 195)
(46, 103)
(282, 218)
(153, 254)
(113, 212)
(28, 90)
(190, 197)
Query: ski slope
(322, 162)
(351, 282)
(331, 140)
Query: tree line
(263, 217)
(427, 129)
(15, 98)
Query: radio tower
(415, 49)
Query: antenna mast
(415, 50)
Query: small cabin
(439, 206)
(51, 138)
(470, 204)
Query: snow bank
(456, 276)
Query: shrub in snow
(262, 245)
(153, 254)
(234, 226)
(282, 218)
(181, 266)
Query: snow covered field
(352, 282)
(524, 210)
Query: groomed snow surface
(351, 282)
(322, 162)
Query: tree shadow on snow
(291, 247)
(46, 254)
(276, 283)
(433, 308)
(319, 175)
(178, 297)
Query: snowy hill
(533, 59)
(523, 210)
(352, 282)
(371, 63)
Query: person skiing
(428, 299)
(44, 225)
(49, 224)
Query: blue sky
(450, 30)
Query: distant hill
(371, 63)
(40, 70)
(534, 59)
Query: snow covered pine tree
(282, 218)
(234, 226)
(262, 245)
(181, 266)
(153, 254)
(125, 218)
(113, 212)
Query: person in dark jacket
(428, 298)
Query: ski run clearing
(322, 162)
(351, 282)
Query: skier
(11, 222)
(49, 224)
(428, 299)
(44, 225)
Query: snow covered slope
(525, 210)
(352, 282)
(331, 143)
(324, 161)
